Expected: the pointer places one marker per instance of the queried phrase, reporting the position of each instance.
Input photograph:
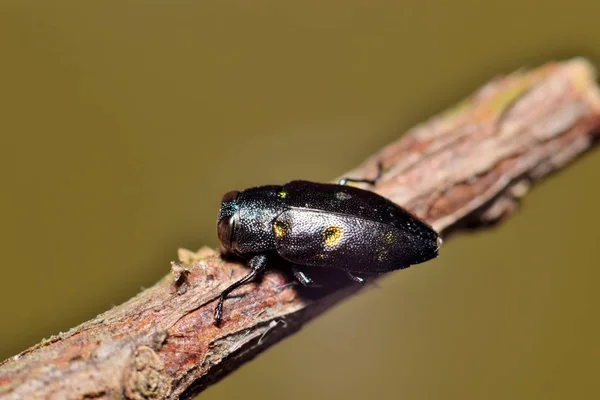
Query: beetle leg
(304, 279)
(356, 278)
(258, 264)
(373, 181)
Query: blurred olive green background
(123, 122)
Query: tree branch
(464, 168)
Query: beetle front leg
(258, 264)
(373, 181)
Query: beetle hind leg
(356, 278)
(373, 181)
(258, 264)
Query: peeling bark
(467, 167)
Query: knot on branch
(180, 277)
(144, 377)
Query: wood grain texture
(465, 168)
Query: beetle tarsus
(304, 279)
(258, 264)
(373, 181)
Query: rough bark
(464, 168)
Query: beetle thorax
(246, 220)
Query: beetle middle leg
(304, 279)
(258, 264)
(373, 181)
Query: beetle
(321, 225)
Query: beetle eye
(227, 220)
(225, 231)
(230, 196)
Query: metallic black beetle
(321, 225)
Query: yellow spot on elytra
(282, 194)
(280, 228)
(342, 196)
(332, 236)
(382, 255)
(388, 237)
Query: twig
(465, 168)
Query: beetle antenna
(258, 264)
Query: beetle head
(227, 221)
